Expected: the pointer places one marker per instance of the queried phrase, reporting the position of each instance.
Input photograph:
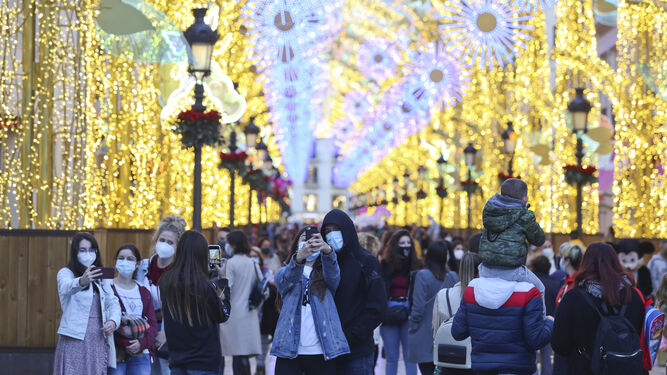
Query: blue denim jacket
(290, 283)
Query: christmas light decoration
(489, 31)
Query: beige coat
(240, 334)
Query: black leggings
(427, 368)
(240, 365)
(305, 365)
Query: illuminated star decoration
(437, 75)
(356, 105)
(377, 59)
(280, 30)
(488, 31)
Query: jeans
(356, 366)
(133, 365)
(545, 361)
(160, 367)
(182, 371)
(305, 365)
(395, 337)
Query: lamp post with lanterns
(579, 108)
(251, 132)
(406, 195)
(509, 146)
(441, 190)
(470, 153)
(201, 39)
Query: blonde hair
(171, 223)
(661, 295)
(574, 253)
(370, 243)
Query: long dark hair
(317, 285)
(74, 265)
(239, 242)
(185, 285)
(436, 259)
(600, 263)
(392, 257)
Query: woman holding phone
(150, 271)
(133, 355)
(193, 308)
(309, 334)
(91, 313)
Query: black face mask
(266, 250)
(405, 251)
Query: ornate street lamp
(251, 132)
(201, 39)
(470, 187)
(262, 150)
(579, 108)
(509, 145)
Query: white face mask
(126, 267)
(87, 258)
(256, 260)
(164, 250)
(458, 254)
(335, 240)
(548, 252)
(448, 238)
(562, 264)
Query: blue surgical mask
(313, 257)
(562, 264)
(335, 240)
(228, 249)
(256, 260)
(126, 267)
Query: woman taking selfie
(91, 313)
(134, 347)
(309, 333)
(193, 308)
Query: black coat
(361, 299)
(576, 324)
(551, 288)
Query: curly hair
(171, 223)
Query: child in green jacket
(508, 225)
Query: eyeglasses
(87, 250)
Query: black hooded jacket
(361, 298)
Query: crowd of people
(331, 298)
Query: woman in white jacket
(91, 313)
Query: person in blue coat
(505, 322)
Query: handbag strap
(449, 305)
(120, 300)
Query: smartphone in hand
(310, 230)
(214, 256)
(107, 272)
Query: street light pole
(232, 176)
(470, 152)
(201, 39)
(579, 108)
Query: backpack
(654, 321)
(447, 351)
(617, 346)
